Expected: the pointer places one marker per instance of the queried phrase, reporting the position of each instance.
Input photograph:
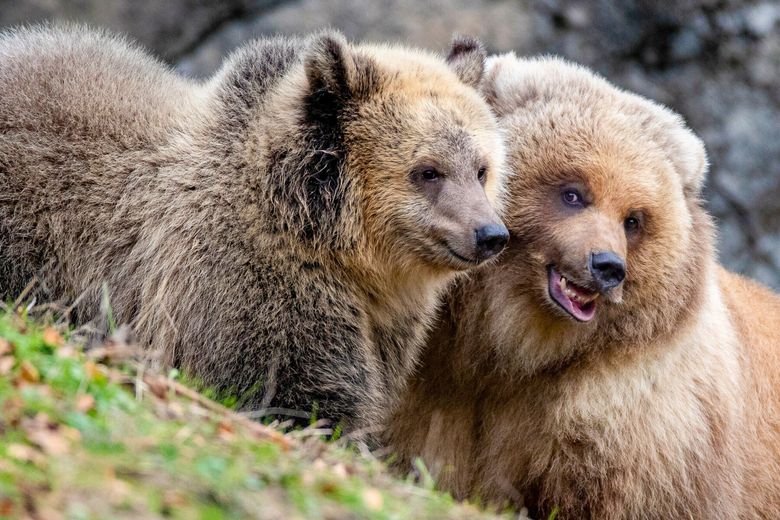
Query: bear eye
(631, 224)
(430, 174)
(572, 197)
(481, 174)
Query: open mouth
(579, 302)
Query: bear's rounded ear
(332, 68)
(693, 162)
(467, 58)
(685, 151)
(508, 83)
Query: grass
(89, 435)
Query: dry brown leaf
(52, 338)
(51, 442)
(6, 364)
(340, 470)
(158, 387)
(5, 347)
(173, 498)
(85, 403)
(373, 500)
(12, 409)
(94, 371)
(29, 373)
(41, 420)
(176, 409)
(118, 490)
(308, 478)
(21, 452)
(66, 351)
(71, 434)
(48, 513)
(6, 507)
(225, 430)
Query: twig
(217, 409)
(27, 288)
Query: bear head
(609, 240)
(384, 155)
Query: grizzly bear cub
(287, 225)
(605, 366)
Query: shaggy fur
(264, 228)
(666, 404)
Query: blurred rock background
(715, 61)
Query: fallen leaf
(93, 371)
(51, 442)
(21, 452)
(308, 478)
(85, 403)
(48, 513)
(118, 490)
(66, 351)
(12, 409)
(157, 387)
(225, 430)
(372, 499)
(6, 507)
(6, 364)
(176, 410)
(52, 338)
(71, 434)
(340, 470)
(5, 347)
(42, 420)
(29, 373)
(173, 498)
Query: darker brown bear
(284, 228)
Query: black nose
(608, 270)
(491, 240)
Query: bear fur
(666, 404)
(262, 230)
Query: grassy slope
(84, 437)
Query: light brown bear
(606, 366)
(282, 231)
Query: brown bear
(605, 366)
(283, 229)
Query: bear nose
(608, 270)
(491, 240)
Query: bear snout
(490, 239)
(607, 269)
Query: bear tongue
(578, 310)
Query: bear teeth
(574, 295)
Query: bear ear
(691, 161)
(508, 83)
(467, 58)
(333, 69)
(685, 151)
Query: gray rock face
(715, 61)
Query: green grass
(85, 438)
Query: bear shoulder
(755, 313)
